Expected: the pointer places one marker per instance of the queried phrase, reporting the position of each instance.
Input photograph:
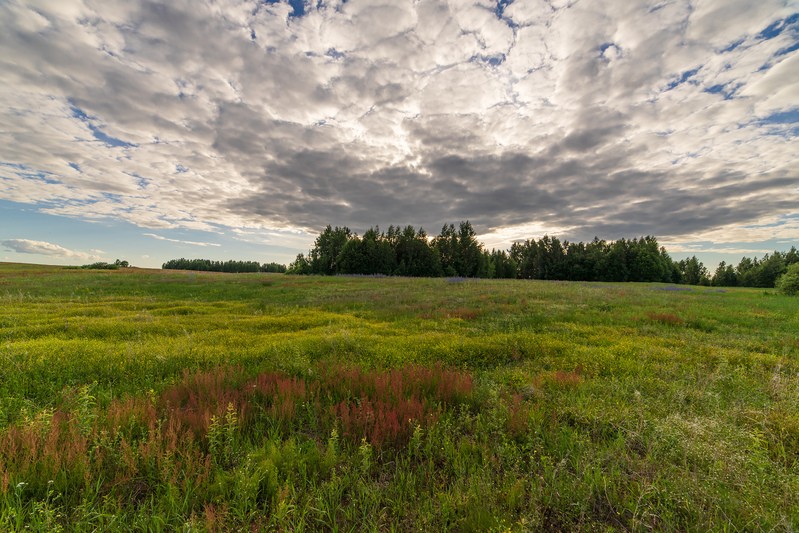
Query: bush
(101, 266)
(788, 283)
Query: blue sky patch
(499, 11)
(501, 5)
(141, 182)
(335, 54)
(777, 27)
(15, 166)
(604, 46)
(732, 46)
(107, 139)
(782, 123)
(494, 60)
(788, 49)
(298, 6)
(26, 172)
(98, 134)
(783, 117)
(684, 77)
(727, 90)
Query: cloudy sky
(240, 128)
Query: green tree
(300, 266)
(502, 265)
(446, 243)
(273, 267)
(725, 276)
(615, 265)
(470, 252)
(788, 283)
(645, 261)
(414, 254)
(525, 255)
(351, 258)
(552, 258)
(745, 271)
(693, 271)
(327, 247)
(791, 256)
(769, 269)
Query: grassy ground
(160, 400)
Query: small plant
(518, 416)
(665, 318)
(559, 379)
(222, 436)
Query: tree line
(208, 265)
(455, 251)
(755, 273)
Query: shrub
(788, 283)
(101, 265)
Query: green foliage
(275, 268)
(693, 272)
(456, 252)
(725, 276)
(300, 266)
(788, 283)
(324, 257)
(101, 265)
(183, 401)
(752, 272)
(460, 252)
(623, 260)
(208, 265)
(107, 266)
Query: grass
(159, 400)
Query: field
(163, 400)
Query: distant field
(167, 400)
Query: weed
(665, 318)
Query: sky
(236, 129)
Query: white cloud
(26, 246)
(192, 243)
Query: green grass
(166, 400)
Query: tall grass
(150, 400)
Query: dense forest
(455, 251)
(207, 265)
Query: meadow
(150, 400)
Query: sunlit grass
(137, 399)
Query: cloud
(613, 119)
(25, 246)
(700, 248)
(192, 243)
